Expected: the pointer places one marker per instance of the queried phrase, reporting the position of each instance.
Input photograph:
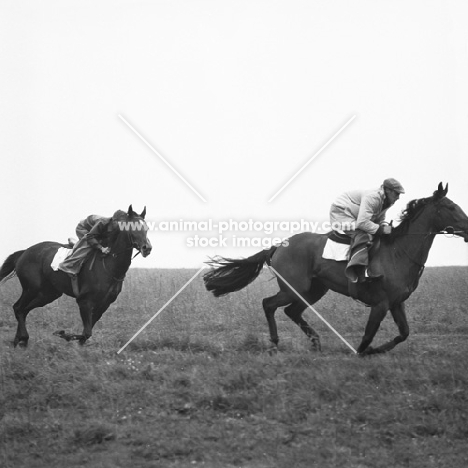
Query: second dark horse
(99, 285)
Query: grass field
(197, 387)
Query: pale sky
(236, 96)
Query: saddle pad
(59, 257)
(336, 251)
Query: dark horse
(402, 254)
(100, 277)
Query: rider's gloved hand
(384, 229)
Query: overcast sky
(236, 96)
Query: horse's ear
(143, 213)
(130, 211)
(441, 192)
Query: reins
(448, 231)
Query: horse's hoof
(273, 351)
(367, 352)
(20, 343)
(316, 345)
(62, 334)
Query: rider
(92, 233)
(360, 214)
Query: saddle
(339, 238)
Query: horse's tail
(229, 275)
(7, 270)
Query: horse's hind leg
(22, 335)
(295, 310)
(29, 300)
(270, 304)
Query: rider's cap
(394, 185)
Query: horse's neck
(417, 242)
(121, 253)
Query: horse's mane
(411, 212)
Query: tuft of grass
(92, 433)
(12, 429)
(183, 343)
(253, 344)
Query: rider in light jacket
(360, 214)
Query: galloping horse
(100, 277)
(403, 255)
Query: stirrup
(369, 276)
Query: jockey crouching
(360, 215)
(93, 233)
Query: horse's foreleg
(376, 316)
(110, 297)
(91, 310)
(87, 308)
(399, 316)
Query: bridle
(132, 246)
(448, 231)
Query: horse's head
(450, 217)
(138, 231)
(135, 227)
